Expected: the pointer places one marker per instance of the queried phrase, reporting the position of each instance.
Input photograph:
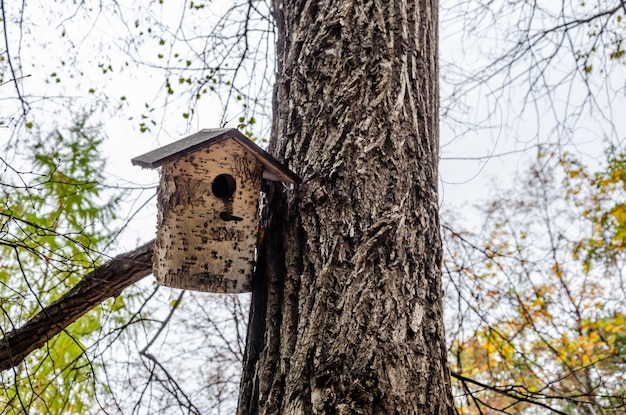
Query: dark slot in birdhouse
(207, 201)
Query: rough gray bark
(347, 314)
(105, 281)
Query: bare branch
(105, 281)
(510, 393)
(10, 62)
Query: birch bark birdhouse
(208, 204)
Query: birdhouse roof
(272, 168)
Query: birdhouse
(208, 205)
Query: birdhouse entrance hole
(224, 186)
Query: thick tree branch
(105, 281)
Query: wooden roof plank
(273, 169)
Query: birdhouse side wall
(205, 242)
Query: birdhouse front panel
(207, 219)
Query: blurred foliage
(54, 219)
(540, 313)
(602, 198)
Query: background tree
(528, 293)
(540, 295)
(50, 232)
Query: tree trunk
(347, 310)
